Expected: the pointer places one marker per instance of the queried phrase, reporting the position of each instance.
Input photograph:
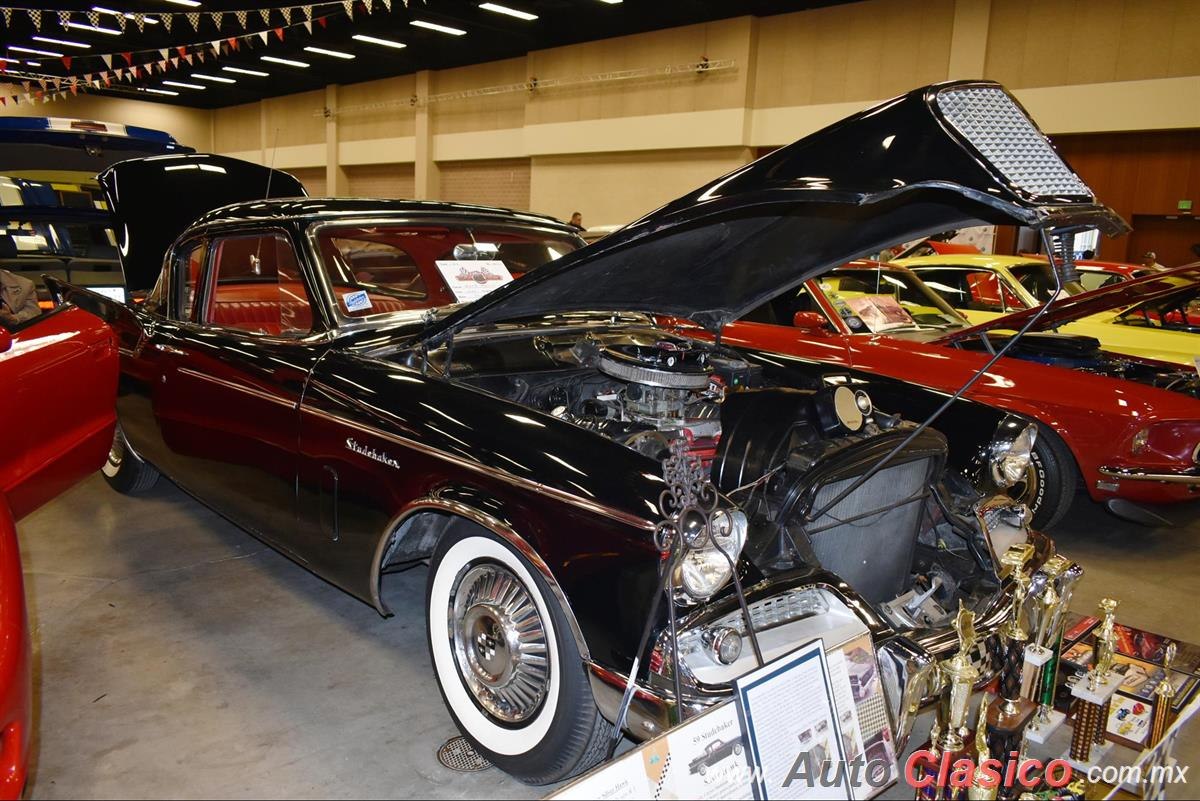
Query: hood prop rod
(892, 454)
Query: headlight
(704, 569)
(1010, 458)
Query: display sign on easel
(815, 711)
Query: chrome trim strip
(649, 713)
(523, 483)
(1134, 474)
(497, 527)
(248, 390)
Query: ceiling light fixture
(433, 26)
(611, 2)
(34, 63)
(322, 51)
(241, 71)
(362, 37)
(512, 12)
(214, 78)
(162, 92)
(286, 61)
(92, 28)
(185, 85)
(63, 42)
(188, 3)
(35, 51)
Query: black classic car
(528, 445)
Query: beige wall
(615, 189)
(616, 149)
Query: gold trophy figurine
(1106, 641)
(1164, 696)
(977, 792)
(958, 676)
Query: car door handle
(169, 349)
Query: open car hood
(154, 200)
(1069, 309)
(940, 157)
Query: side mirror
(5, 340)
(811, 322)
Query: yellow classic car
(984, 287)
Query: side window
(256, 286)
(185, 274)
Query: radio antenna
(271, 167)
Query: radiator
(868, 537)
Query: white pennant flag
(164, 52)
(308, 25)
(107, 60)
(263, 35)
(119, 72)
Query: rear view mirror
(5, 340)
(812, 322)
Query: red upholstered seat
(262, 316)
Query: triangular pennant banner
(324, 21)
(4, 100)
(287, 15)
(66, 60)
(181, 50)
(167, 19)
(349, 6)
(232, 41)
(164, 52)
(388, 5)
(193, 18)
(216, 18)
(188, 58)
(140, 21)
(63, 18)
(308, 25)
(8, 23)
(241, 18)
(107, 60)
(265, 13)
(119, 71)
(263, 35)
(25, 85)
(200, 55)
(35, 17)
(128, 58)
(3, 65)
(279, 33)
(74, 89)
(93, 18)
(307, 12)
(121, 22)
(175, 62)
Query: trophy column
(1009, 714)
(1054, 585)
(956, 678)
(1094, 696)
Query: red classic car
(1127, 428)
(59, 372)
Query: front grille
(997, 127)
(868, 537)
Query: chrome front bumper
(1189, 477)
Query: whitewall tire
(506, 662)
(124, 470)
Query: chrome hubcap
(499, 642)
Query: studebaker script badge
(371, 453)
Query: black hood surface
(940, 157)
(154, 200)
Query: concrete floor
(176, 656)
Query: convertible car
(1128, 429)
(59, 373)
(984, 287)
(557, 458)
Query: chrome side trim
(523, 483)
(492, 524)
(649, 713)
(1191, 478)
(235, 386)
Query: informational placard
(709, 755)
(787, 710)
(470, 280)
(880, 312)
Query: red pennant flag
(182, 50)
(128, 58)
(66, 60)
(3, 68)
(279, 33)
(107, 79)
(324, 23)
(233, 42)
(74, 89)
(3, 101)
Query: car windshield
(390, 267)
(879, 299)
(1180, 311)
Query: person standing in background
(577, 220)
(1150, 260)
(18, 299)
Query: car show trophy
(956, 679)
(1093, 697)
(1057, 579)
(1009, 714)
(977, 791)
(1164, 696)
